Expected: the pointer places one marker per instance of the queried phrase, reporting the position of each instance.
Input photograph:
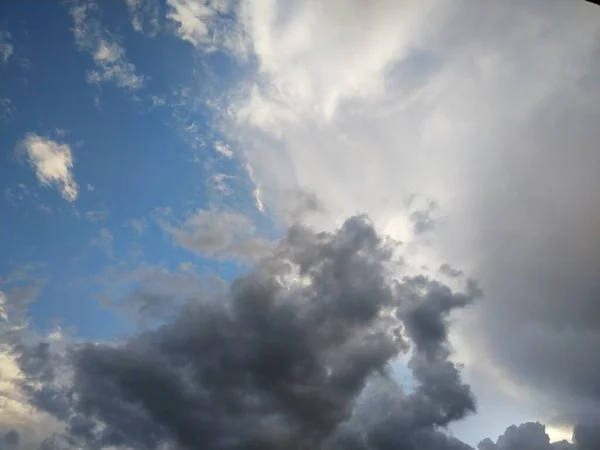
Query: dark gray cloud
(450, 271)
(533, 436)
(12, 437)
(295, 355)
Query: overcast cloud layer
(422, 201)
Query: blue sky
(155, 149)
(131, 156)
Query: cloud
(144, 16)
(6, 46)
(105, 241)
(204, 24)
(138, 226)
(221, 234)
(223, 149)
(475, 110)
(294, 354)
(108, 54)
(52, 162)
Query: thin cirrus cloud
(107, 52)
(53, 164)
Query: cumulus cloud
(294, 354)
(52, 162)
(107, 52)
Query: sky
(300, 224)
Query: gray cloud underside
(295, 355)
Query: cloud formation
(295, 355)
(222, 234)
(107, 52)
(52, 162)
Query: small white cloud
(223, 149)
(219, 183)
(6, 47)
(158, 101)
(257, 191)
(192, 18)
(53, 164)
(45, 208)
(105, 241)
(95, 216)
(3, 314)
(138, 226)
(144, 16)
(60, 132)
(108, 54)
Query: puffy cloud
(53, 164)
(294, 354)
(108, 54)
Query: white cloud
(53, 164)
(365, 103)
(192, 18)
(60, 132)
(223, 149)
(256, 192)
(109, 56)
(105, 241)
(204, 24)
(220, 185)
(6, 47)
(138, 226)
(144, 16)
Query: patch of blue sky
(145, 161)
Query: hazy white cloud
(138, 226)
(205, 24)
(105, 241)
(192, 18)
(144, 16)
(107, 52)
(53, 164)
(6, 46)
(221, 234)
(223, 149)
(220, 184)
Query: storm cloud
(295, 355)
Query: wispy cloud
(6, 46)
(53, 164)
(144, 16)
(105, 241)
(107, 52)
(221, 234)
